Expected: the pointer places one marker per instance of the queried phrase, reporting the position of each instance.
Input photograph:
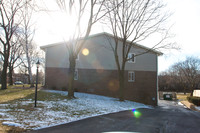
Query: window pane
(132, 56)
(131, 76)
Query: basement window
(131, 76)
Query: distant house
(96, 70)
(20, 77)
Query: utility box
(167, 96)
(196, 93)
(162, 93)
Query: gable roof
(110, 35)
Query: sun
(66, 26)
(59, 26)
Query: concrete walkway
(190, 105)
(167, 118)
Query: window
(131, 76)
(76, 74)
(131, 58)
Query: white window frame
(131, 74)
(76, 74)
(130, 56)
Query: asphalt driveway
(168, 117)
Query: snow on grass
(58, 111)
(197, 107)
(11, 124)
(179, 103)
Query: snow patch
(197, 107)
(4, 110)
(2, 114)
(8, 123)
(4, 105)
(55, 112)
(179, 103)
(58, 92)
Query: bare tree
(1, 63)
(9, 10)
(133, 20)
(15, 53)
(190, 72)
(183, 76)
(27, 37)
(178, 77)
(164, 79)
(1, 66)
(89, 10)
(172, 80)
(33, 55)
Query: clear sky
(186, 19)
(50, 28)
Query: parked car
(18, 83)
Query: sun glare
(58, 25)
(136, 113)
(67, 25)
(85, 51)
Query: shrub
(75, 89)
(194, 100)
(64, 88)
(54, 88)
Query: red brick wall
(56, 78)
(105, 82)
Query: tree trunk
(29, 81)
(71, 77)
(30, 74)
(29, 66)
(4, 75)
(184, 90)
(10, 75)
(121, 85)
(191, 94)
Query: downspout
(45, 65)
(157, 96)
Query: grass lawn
(9, 129)
(182, 97)
(53, 107)
(19, 104)
(9, 96)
